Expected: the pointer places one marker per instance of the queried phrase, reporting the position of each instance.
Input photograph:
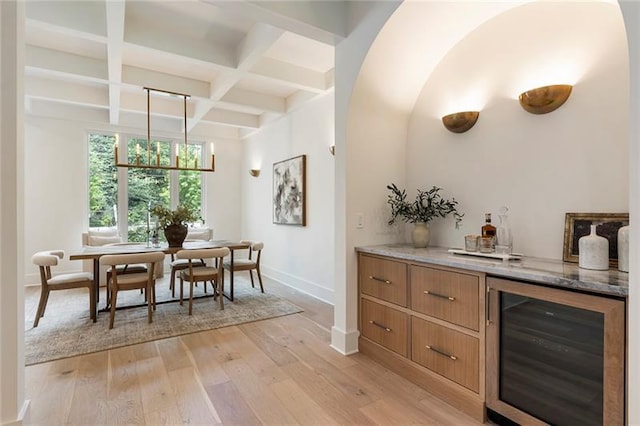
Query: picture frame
(577, 225)
(290, 191)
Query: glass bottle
(489, 231)
(504, 238)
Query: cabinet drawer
(450, 296)
(383, 279)
(435, 348)
(385, 326)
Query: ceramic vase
(175, 234)
(623, 249)
(593, 251)
(420, 235)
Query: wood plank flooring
(280, 371)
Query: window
(103, 182)
(142, 188)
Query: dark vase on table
(175, 234)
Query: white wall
(302, 257)
(574, 159)
(631, 12)
(56, 182)
(13, 406)
(352, 145)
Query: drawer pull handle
(430, 293)
(380, 325)
(453, 357)
(382, 280)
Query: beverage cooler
(554, 356)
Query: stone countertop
(544, 271)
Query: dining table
(94, 253)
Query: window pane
(190, 183)
(103, 181)
(146, 187)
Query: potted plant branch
(427, 206)
(174, 223)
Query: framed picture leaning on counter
(577, 225)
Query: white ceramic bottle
(623, 249)
(593, 251)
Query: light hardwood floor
(278, 371)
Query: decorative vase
(504, 238)
(175, 234)
(420, 235)
(623, 249)
(593, 251)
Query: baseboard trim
(343, 342)
(23, 415)
(312, 289)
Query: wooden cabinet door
(449, 353)
(385, 326)
(383, 279)
(447, 295)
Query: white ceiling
(244, 63)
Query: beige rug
(66, 330)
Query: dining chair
(193, 234)
(194, 274)
(250, 264)
(143, 280)
(45, 260)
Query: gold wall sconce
(332, 149)
(460, 122)
(254, 172)
(545, 99)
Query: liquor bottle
(489, 231)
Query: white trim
(300, 284)
(343, 342)
(22, 415)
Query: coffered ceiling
(244, 64)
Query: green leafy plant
(427, 206)
(180, 216)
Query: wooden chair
(193, 234)
(250, 264)
(194, 274)
(45, 260)
(142, 280)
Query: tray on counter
(512, 256)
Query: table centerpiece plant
(174, 223)
(427, 206)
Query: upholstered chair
(45, 260)
(250, 264)
(193, 274)
(142, 280)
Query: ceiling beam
(66, 63)
(291, 75)
(65, 92)
(115, 39)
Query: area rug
(66, 329)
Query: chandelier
(185, 163)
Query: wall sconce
(460, 122)
(254, 172)
(545, 99)
(332, 149)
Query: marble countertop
(545, 271)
